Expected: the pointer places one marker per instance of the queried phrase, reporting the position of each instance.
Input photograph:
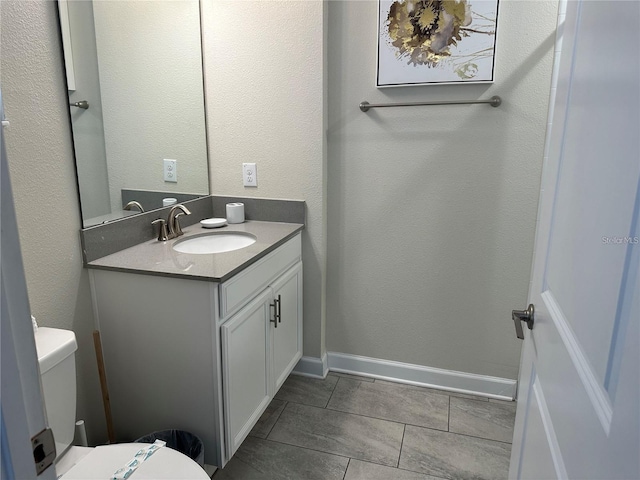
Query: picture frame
(430, 42)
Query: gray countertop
(158, 258)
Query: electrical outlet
(250, 175)
(170, 170)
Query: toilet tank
(56, 357)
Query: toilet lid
(165, 463)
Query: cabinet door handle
(279, 311)
(274, 320)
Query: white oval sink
(214, 243)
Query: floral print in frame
(423, 42)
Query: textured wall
(432, 210)
(150, 66)
(43, 178)
(264, 72)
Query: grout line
(442, 431)
(345, 470)
(404, 429)
(334, 389)
(277, 419)
(326, 453)
(357, 414)
(381, 419)
(308, 448)
(471, 436)
(429, 475)
(449, 416)
(401, 423)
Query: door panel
(578, 266)
(246, 369)
(579, 369)
(540, 457)
(287, 338)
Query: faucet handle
(177, 229)
(162, 231)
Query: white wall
(264, 72)
(432, 210)
(43, 179)
(150, 66)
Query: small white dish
(213, 222)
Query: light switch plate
(249, 175)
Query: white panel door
(287, 333)
(578, 396)
(246, 365)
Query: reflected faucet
(173, 222)
(133, 204)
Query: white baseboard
(312, 367)
(451, 380)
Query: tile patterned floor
(354, 428)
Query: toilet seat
(164, 464)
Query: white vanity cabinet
(198, 355)
(260, 346)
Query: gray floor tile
(352, 377)
(359, 470)
(236, 469)
(308, 391)
(490, 420)
(391, 401)
(440, 392)
(364, 438)
(268, 419)
(210, 469)
(258, 459)
(450, 455)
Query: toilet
(56, 357)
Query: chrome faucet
(133, 204)
(173, 222)
(171, 228)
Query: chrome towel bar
(494, 101)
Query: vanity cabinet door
(287, 335)
(246, 369)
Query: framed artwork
(427, 42)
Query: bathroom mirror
(137, 66)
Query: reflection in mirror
(138, 66)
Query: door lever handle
(523, 316)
